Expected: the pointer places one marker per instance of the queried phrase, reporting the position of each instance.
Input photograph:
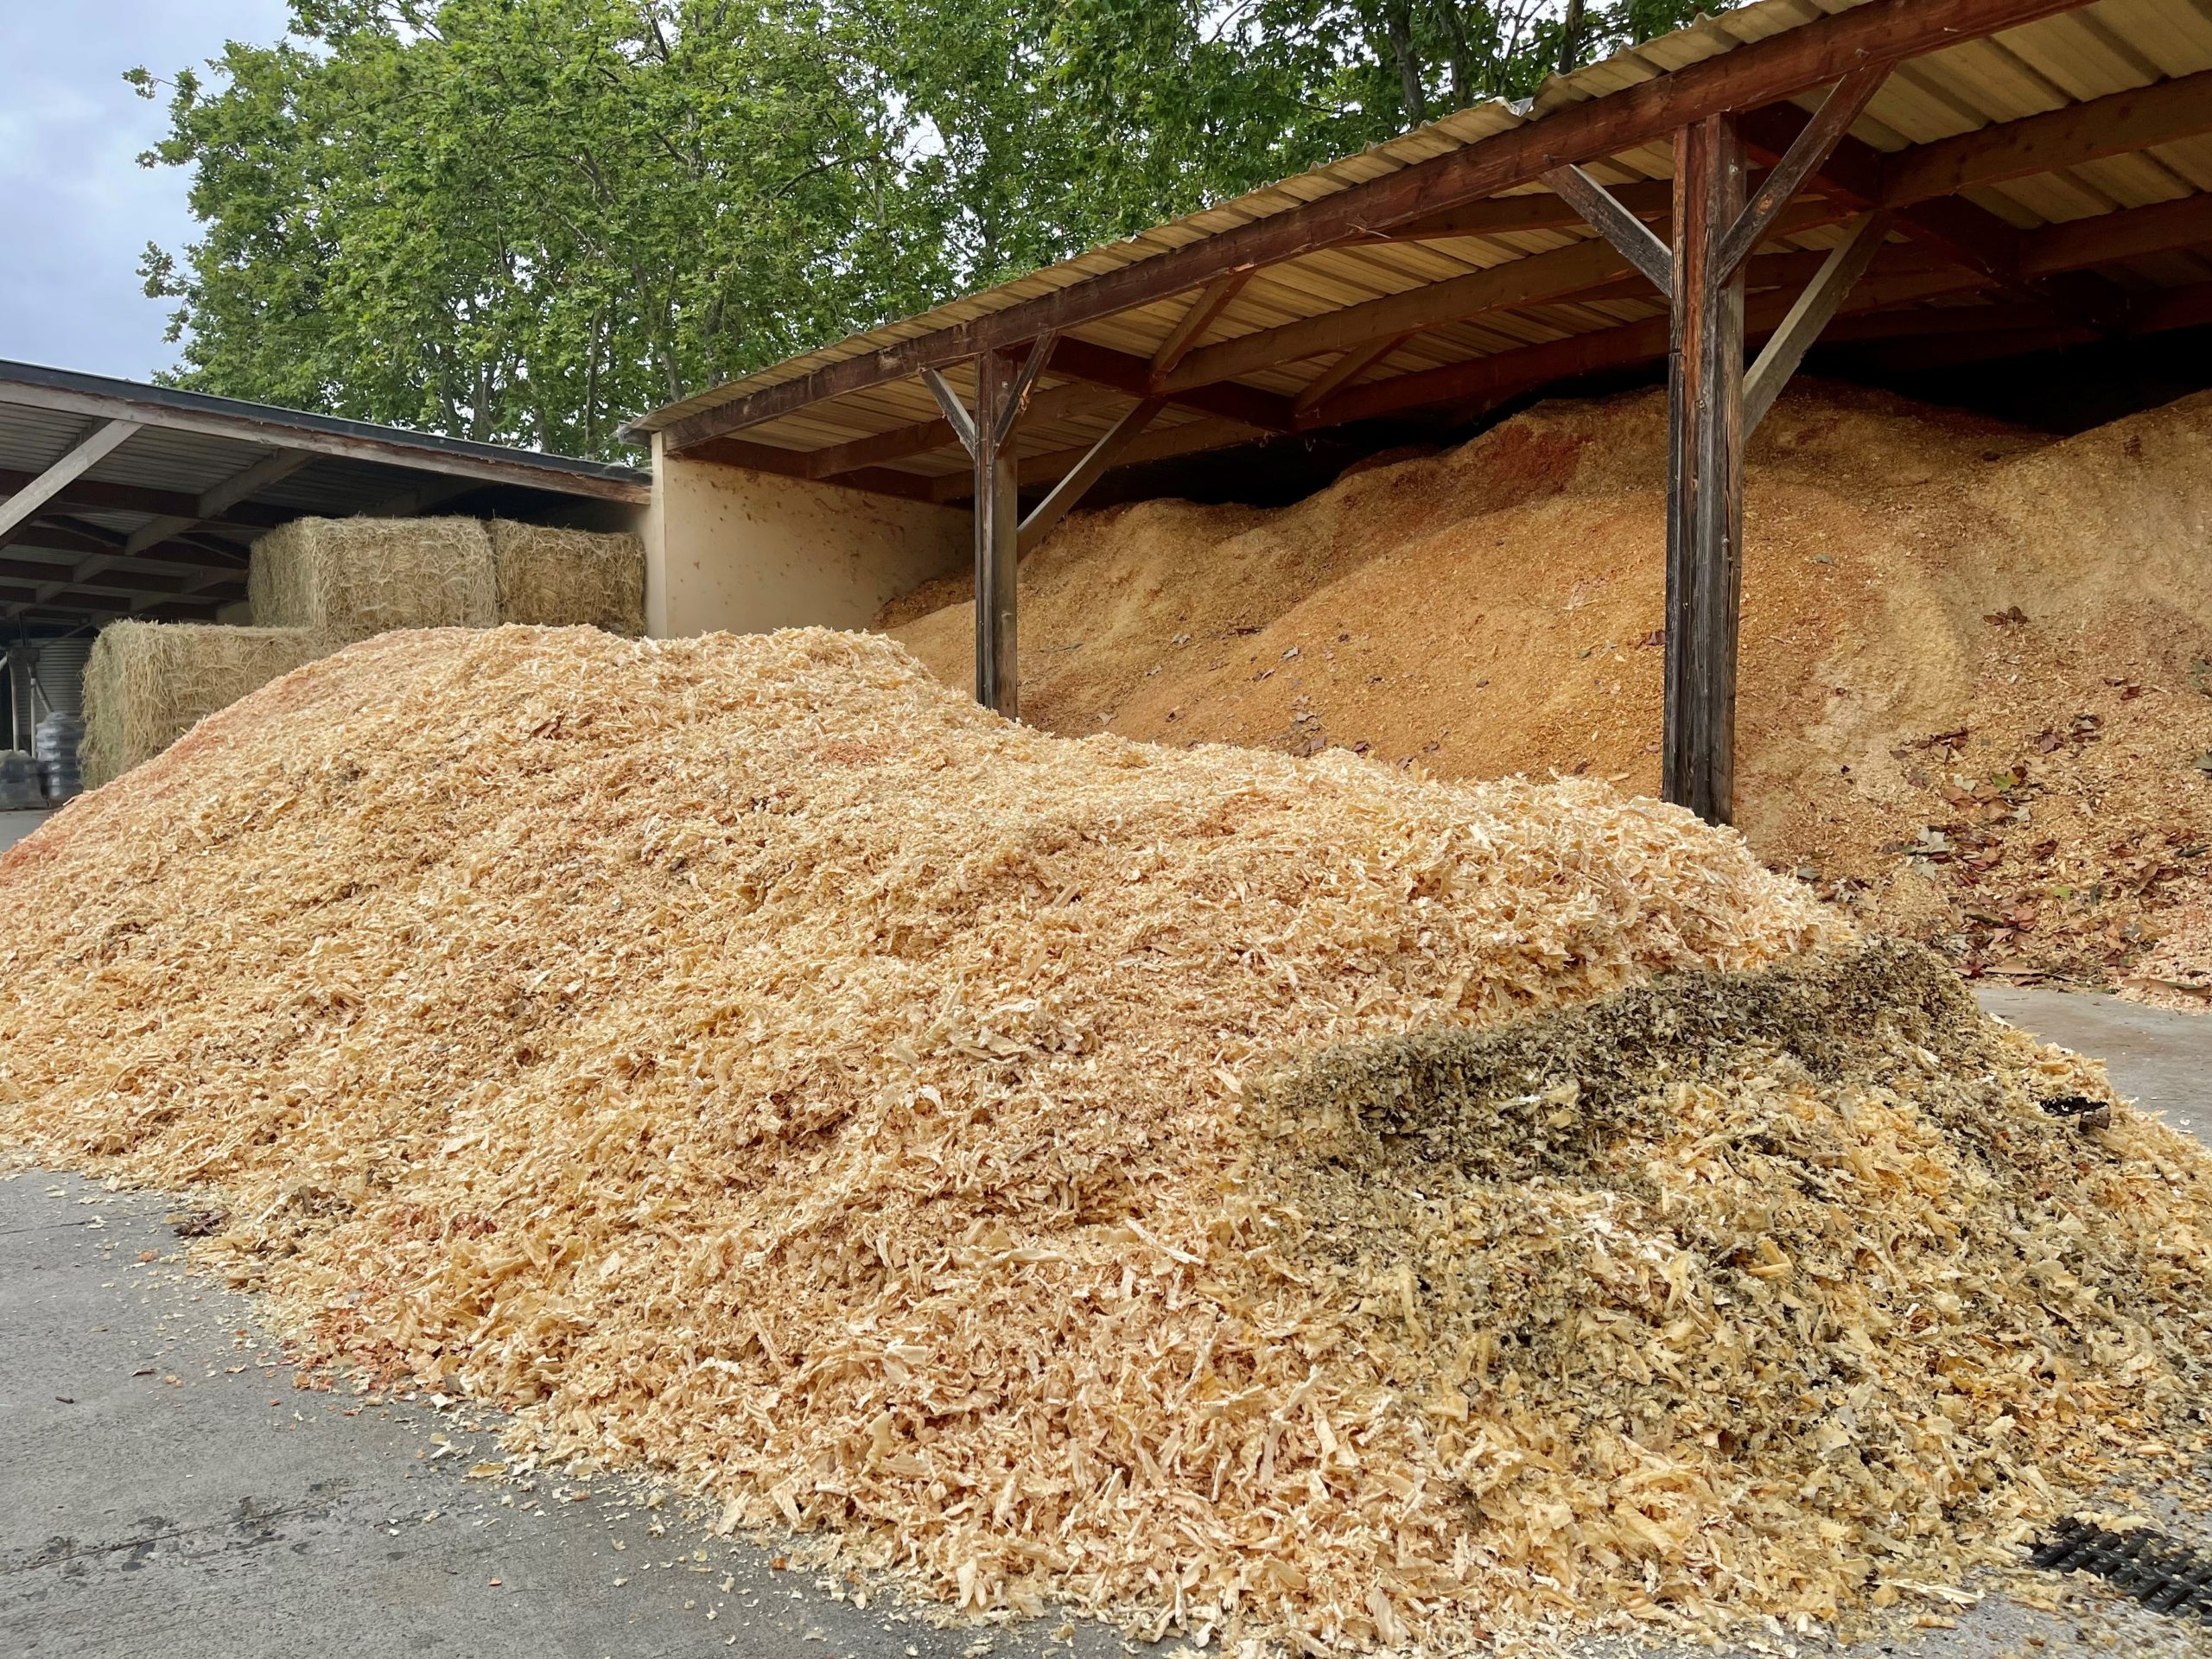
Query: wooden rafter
(2124, 234)
(1968, 234)
(1630, 236)
(1815, 53)
(102, 497)
(1212, 300)
(1131, 376)
(1348, 367)
(792, 463)
(270, 469)
(2088, 131)
(34, 490)
(1503, 374)
(1846, 102)
(59, 534)
(1518, 282)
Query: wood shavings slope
(754, 1060)
(1977, 663)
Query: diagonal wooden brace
(1786, 346)
(1846, 102)
(1632, 238)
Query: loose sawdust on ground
(1213, 1188)
(1977, 669)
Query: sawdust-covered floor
(164, 1487)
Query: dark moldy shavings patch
(1544, 1096)
(1820, 1250)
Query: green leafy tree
(521, 221)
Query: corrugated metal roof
(74, 557)
(2111, 47)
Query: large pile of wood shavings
(755, 1062)
(1977, 662)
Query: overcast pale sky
(76, 207)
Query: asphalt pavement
(14, 826)
(170, 1485)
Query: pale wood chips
(754, 1061)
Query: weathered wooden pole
(1705, 473)
(1003, 390)
(998, 530)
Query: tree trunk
(1570, 37)
(1400, 25)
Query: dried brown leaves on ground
(1977, 662)
(752, 1060)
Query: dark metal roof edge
(272, 425)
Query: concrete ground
(14, 826)
(2159, 1059)
(168, 1487)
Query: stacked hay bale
(347, 579)
(317, 584)
(553, 578)
(148, 684)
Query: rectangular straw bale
(148, 684)
(565, 578)
(349, 578)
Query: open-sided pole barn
(1978, 178)
(123, 499)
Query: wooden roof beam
(132, 498)
(1348, 367)
(1131, 376)
(2088, 131)
(1504, 373)
(1541, 210)
(130, 583)
(34, 491)
(54, 532)
(1972, 235)
(1579, 269)
(1212, 300)
(1156, 443)
(2128, 233)
(1760, 73)
(270, 469)
(1049, 403)
(1518, 282)
(792, 463)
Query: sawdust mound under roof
(1074, 1169)
(1977, 662)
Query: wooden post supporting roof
(1702, 274)
(1003, 387)
(1705, 473)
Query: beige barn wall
(746, 551)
